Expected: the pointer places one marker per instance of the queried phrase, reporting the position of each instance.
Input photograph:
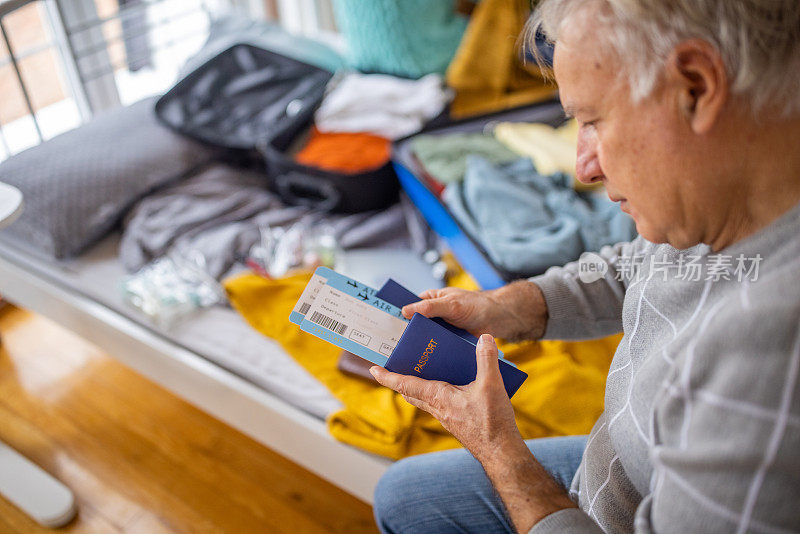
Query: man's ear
(697, 71)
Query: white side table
(23, 483)
(10, 204)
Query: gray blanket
(219, 211)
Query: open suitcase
(256, 104)
(471, 254)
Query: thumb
(487, 359)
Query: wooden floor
(139, 459)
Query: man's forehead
(581, 41)
(577, 83)
(584, 73)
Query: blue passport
(429, 350)
(398, 295)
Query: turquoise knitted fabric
(403, 37)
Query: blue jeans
(449, 492)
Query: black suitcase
(255, 103)
(242, 96)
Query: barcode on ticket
(304, 308)
(328, 322)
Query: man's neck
(768, 187)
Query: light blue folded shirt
(527, 221)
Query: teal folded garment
(408, 38)
(528, 222)
(444, 157)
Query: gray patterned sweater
(701, 430)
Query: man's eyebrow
(570, 110)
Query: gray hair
(758, 40)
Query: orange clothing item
(344, 152)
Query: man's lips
(623, 203)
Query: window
(73, 58)
(69, 59)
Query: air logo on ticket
(353, 324)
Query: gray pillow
(78, 185)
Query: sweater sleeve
(582, 308)
(569, 520)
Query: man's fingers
(438, 292)
(429, 293)
(422, 405)
(429, 307)
(487, 359)
(408, 386)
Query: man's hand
(479, 414)
(516, 311)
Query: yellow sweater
(487, 71)
(563, 394)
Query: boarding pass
(353, 324)
(319, 279)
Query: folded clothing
(218, 213)
(382, 105)
(78, 185)
(444, 157)
(409, 38)
(551, 149)
(344, 152)
(562, 396)
(527, 221)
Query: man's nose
(587, 168)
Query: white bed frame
(287, 430)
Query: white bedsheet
(218, 334)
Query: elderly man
(689, 113)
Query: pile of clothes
(480, 55)
(362, 113)
(527, 221)
(221, 212)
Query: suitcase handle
(302, 190)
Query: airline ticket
(318, 279)
(353, 324)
